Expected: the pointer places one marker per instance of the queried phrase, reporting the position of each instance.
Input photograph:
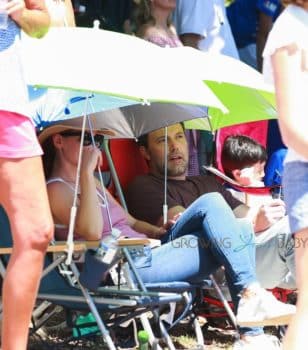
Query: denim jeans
(296, 194)
(206, 236)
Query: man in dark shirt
(145, 199)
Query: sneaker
(263, 341)
(258, 307)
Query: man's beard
(173, 171)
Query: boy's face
(250, 176)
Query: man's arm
(191, 20)
(70, 13)
(191, 39)
(31, 15)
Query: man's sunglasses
(87, 141)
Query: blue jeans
(296, 194)
(205, 237)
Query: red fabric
(255, 130)
(105, 165)
(127, 160)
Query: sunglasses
(88, 140)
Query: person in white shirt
(204, 26)
(61, 13)
(285, 59)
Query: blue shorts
(295, 183)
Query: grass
(56, 336)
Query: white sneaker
(259, 307)
(263, 341)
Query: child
(243, 159)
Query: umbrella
(240, 88)
(114, 64)
(135, 120)
(49, 106)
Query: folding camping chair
(226, 180)
(60, 285)
(264, 192)
(126, 162)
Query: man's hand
(165, 227)
(268, 214)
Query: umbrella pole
(165, 205)
(70, 236)
(100, 176)
(213, 151)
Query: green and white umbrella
(113, 64)
(240, 88)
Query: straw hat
(71, 124)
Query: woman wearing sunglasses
(61, 145)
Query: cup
(3, 15)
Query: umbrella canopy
(240, 88)
(111, 63)
(54, 105)
(136, 120)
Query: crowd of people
(200, 208)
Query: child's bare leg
(24, 197)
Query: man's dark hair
(239, 152)
(143, 139)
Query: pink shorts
(17, 136)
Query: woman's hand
(91, 159)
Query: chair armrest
(122, 242)
(55, 248)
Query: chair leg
(199, 334)
(147, 327)
(103, 329)
(196, 325)
(144, 320)
(225, 302)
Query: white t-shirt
(252, 200)
(208, 19)
(13, 92)
(290, 27)
(57, 11)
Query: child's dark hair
(239, 152)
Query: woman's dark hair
(143, 16)
(239, 152)
(49, 156)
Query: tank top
(117, 214)
(13, 91)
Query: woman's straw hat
(71, 124)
